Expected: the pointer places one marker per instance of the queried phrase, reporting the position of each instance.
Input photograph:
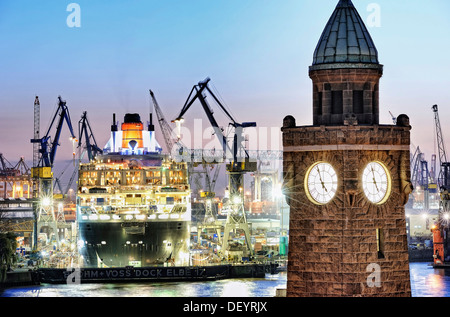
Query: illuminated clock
(376, 182)
(321, 183)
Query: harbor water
(425, 282)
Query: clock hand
(321, 181)
(374, 181)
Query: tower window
(319, 103)
(337, 103)
(358, 101)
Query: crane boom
(443, 179)
(237, 140)
(236, 218)
(48, 154)
(84, 129)
(199, 89)
(440, 138)
(166, 129)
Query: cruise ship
(133, 202)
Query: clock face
(376, 183)
(321, 183)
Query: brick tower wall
(333, 249)
(358, 91)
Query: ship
(133, 202)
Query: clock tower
(347, 177)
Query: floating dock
(150, 274)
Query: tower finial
(345, 3)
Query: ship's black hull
(144, 243)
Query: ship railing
(178, 211)
(166, 208)
(219, 156)
(131, 217)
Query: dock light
(277, 191)
(236, 199)
(46, 202)
(178, 122)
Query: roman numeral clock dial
(376, 183)
(321, 183)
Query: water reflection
(425, 282)
(429, 282)
(261, 287)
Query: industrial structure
(42, 173)
(16, 211)
(39, 203)
(238, 164)
(15, 181)
(440, 230)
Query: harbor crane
(441, 229)
(166, 130)
(443, 178)
(174, 144)
(238, 161)
(85, 132)
(421, 177)
(13, 179)
(89, 146)
(394, 118)
(49, 146)
(42, 172)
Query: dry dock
(143, 274)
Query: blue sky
(256, 52)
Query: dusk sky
(256, 52)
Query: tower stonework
(346, 177)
